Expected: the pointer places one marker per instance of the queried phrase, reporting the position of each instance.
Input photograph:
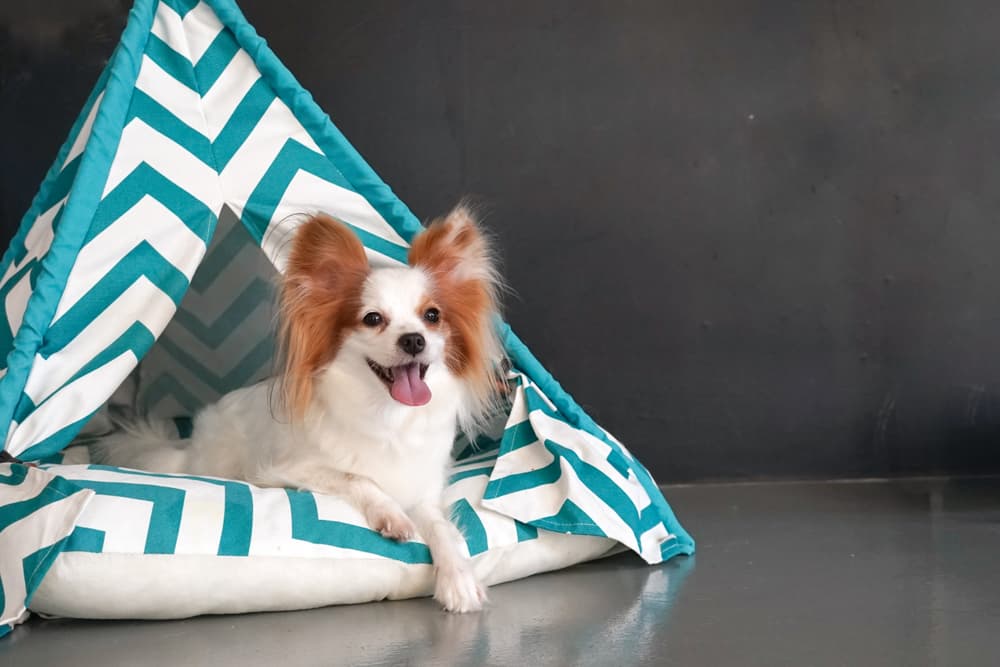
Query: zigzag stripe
(215, 154)
(199, 77)
(145, 181)
(241, 374)
(136, 339)
(161, 119)
(143, 261)
(167, 157)
(214, 334)
(220, 254)
(266, 197)
(167, 386)
(191, 35)
(182, 7)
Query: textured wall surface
(754, 239)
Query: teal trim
(85, 539)
(360, 177)
(80, 206)
(306, 525)
(535, 402)
(525, 361)
(470, 525)
(137, 340)
(165, 516)
(54, 181)
(605, 489)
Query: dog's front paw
(458, 590)
(391, 521)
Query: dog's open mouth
(405, 383)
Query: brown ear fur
(320, 299)
(458, 258)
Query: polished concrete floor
(864, 573)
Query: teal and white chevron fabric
(156, 237)
(298, 549)
(38, 512)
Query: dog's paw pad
(392, 523)
(459, 591)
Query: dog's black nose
(412, 343)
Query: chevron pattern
(202, 129)
(221, 336)
(147, 513)
(157, 235)
(38, 511)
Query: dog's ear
(320, 299)
(460, 263)
(325, 256)
(455, 249)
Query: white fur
(388, 459)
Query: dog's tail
(143, 445)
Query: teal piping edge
(123, 70)
(341, 154)
(367, 183)
(27, 222)
(526, 362)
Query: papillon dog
(380, 369)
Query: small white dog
(381, 368)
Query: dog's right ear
(320, 296)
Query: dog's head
(396, 328)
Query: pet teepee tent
(151, 239)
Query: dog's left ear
(454, 249)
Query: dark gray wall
(752, 238)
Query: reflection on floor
(873, 573)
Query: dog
(380, 368)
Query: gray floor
(901, 573)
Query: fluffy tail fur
(143, 445)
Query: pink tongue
(408, 387)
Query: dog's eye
(432, 315)
(372, 319)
